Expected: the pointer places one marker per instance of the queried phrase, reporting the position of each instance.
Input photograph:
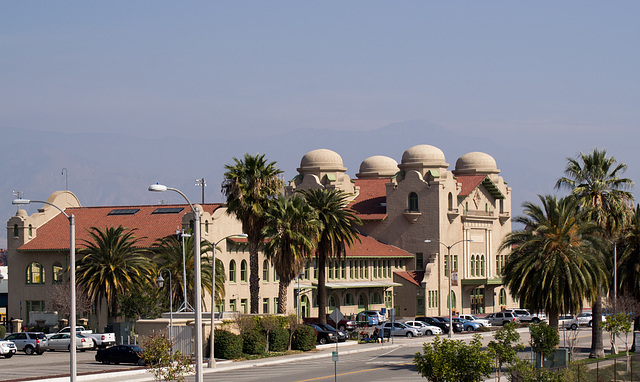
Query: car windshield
(136, 349)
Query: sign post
(336, 316)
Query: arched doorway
(304, 306)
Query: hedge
(227, 345)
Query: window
(375, 298)
(307, 272)
(15, 230)
(315, 270)
(232, 305)
(243, 305)
(473, 265)
(351, 269)
(276, 276)
(388, 299)
(275, 304)
(446, 266)
(433, 299)
(243, 271)
(265, 271)
(331, 263)
(452, 300)
(56, 271)
(265, 305)
(419, 261)
(503, 297)
(30, 230)
(348, 299)
(361, 303)
(361, 266)
(366, 269)
(206, 226)
(332, 302)
(450, 202)
(482, 266)
(344, 269)
(35, 273)
(455, 263)
(232, 271)
(413, 202)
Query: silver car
(29, 342)
(425, 329)
(62, 341)
(398, 329)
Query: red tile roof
(414, 277)
(370, 202)
(469, 183)
(370, 247)
(54, 234)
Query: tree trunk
(322, 290)
(282, 297)
(597, 348)
(554, 317)
(254, 276)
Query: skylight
(124, 211)
(168, 210)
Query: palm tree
(337, 234)
(111, 264)
(249, 186)
(629, 264)
(594, 180)
(169, 252)
(291, 234)
(555, 261)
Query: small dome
(423, 156)
(378, 166)
(476, 162)
(321, 159)
(21, 212)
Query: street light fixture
(72, 281)
(197, 274)
(212, 358)
(449, 273)
(160, 282)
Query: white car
(423, 328)
(7, 349)
(586, 319)
(567, 321)
(472, 318)
(62, 341)
(398, 329)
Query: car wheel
(41, 352)
(428, 333)
(140, 362)
(342, 328)
(469, 328)
(574, 327)
(322, 341)
(29, 350)
(409, 334)
(8, 355)
(105, 362)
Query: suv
(7, 349)
(29, 342)
(373, 317)
(526, 316)
(444, 326)
(502, 318)
(586, 318)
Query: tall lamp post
(197, 273)
(212, 358)
(449, 273)
(72, 281)
(160, 282)
(300, 276)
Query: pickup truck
(472, 318)
(100, 340)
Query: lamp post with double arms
(197, 274)
(448, 270)
(160, 282)
(212, 358)
(72, 282)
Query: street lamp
(160, 282)
(197, 273)
(449, 273)
(212, 358)
(301, 275)
(72, 281)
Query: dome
(22, 213)
(378, 166)
(476, 162)
(321, 159)
(423, 156)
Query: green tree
(338, 233)
(505, 346)
(249, 186)
(554, 262)
(291, 234)
(111, 264)
(168, 255)
(446, 360)
(544, 339)
(594, 179)
(629, 266)
(145, 301)
(164, 363)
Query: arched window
(503, 297)
(206, 226)
(243, 271)
(450, 202)
(15, 230)
(35, 273)
(30, 230)
(232, 271)
(348, 299)
(452, 300)
(473, 265)
(332, 302)
(478, 265)
(413, 202)
(56, 271)
(482, 266)
(375, 298)
(265, 271)
(361, 303)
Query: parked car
(373, 317)
(424, 328)
(526, 316)
(29, 342)
(120, 354)
(323, 336)
(100, 340)
(444, 326)
(340, 334)
(568, 322)
(7, 349)
(586, 319)
(457, 326)
(502, 318)
(398, 329)
(470, 317)
(468, 326)
(62, 341)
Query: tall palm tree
(595, 181)
(629, 264)
(249, 186)
(338, 233)
(168, 254)
(555, 261)
(291, 234)
(111, 264)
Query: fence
(616, 370)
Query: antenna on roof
(18, 195)
(162, 201)
(203, 184)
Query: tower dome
(378, 166)
(423, 156)
(476, 163)
(321, 160)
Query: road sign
(336, 316)
(334, 356)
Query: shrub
(164, 364)
(227, 345)
(304, 338)
(253, 342)
(279, 339)
(3, 331)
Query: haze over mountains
(115, 169)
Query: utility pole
(203, 184)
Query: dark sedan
(435, 322)
(120, 354)
(342, 335)
(457, 326)
(322, 335)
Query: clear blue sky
(169, 68)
